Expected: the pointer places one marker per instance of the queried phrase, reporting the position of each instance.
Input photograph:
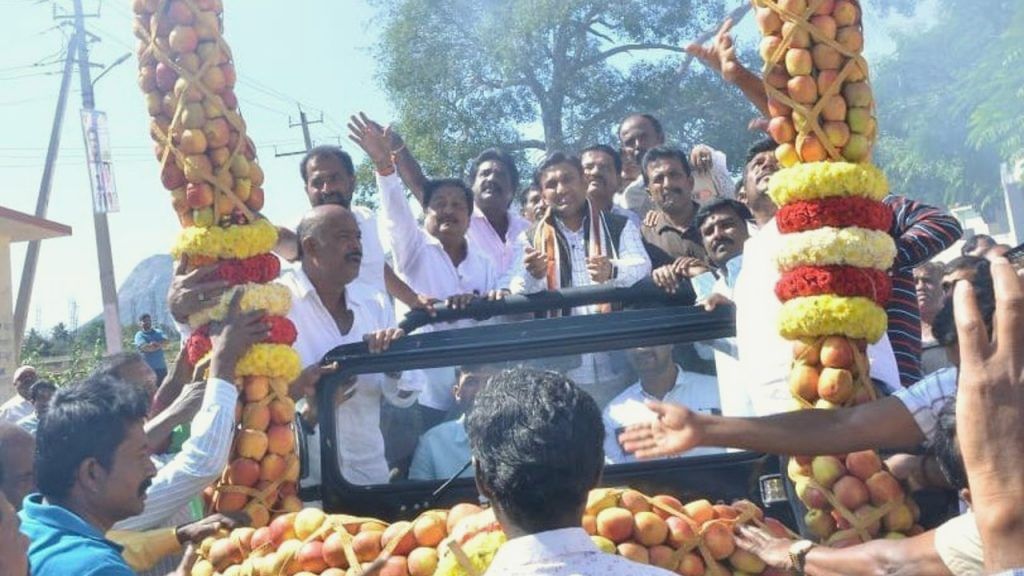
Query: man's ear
(481, 481)
(965, 494)
(90, 475)
(307, 246)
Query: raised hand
(193, 291)
(675, 431)
(720, 53)
(381, 340)
(369, 136)
(665, 278)
(536, 262)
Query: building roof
(20, 227)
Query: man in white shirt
(577, 245)
(494, 226)
(663, 380)
(19, 405)
(328, 311)
(182, 476)
(536, 441)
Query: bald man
(19, 405)
(329, 310)
(17, 448)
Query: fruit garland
(835, 250)
(208, 163)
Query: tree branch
(737, 14)
(627, 48)
(604, 37)
(526, 144)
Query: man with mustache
(329, 310)
(437, 259)
(494, 226)
(758, 169)
(672, 239)
(575, 244)
(93, 469)
(602, 169)
(533, 203)
(661, 379)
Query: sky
(313, 53)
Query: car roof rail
(643, 294)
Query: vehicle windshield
(400, 428)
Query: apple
(803, 382)
(795, 6)
(767, 21)
(213, 79)
(810, 148)
(824, 25)
(858, 149)
(282, 410)
(777, 108)
(255, 174)
(615, 524)
(746, 562)
(811, 497)
(863, 464)
(333, 551)
(781, 130)
(230, 77)
(400, 529)
(634, 501)
(243, 472)
(193, 141)
(281, 439)
(777, 78)
(851, 492)
(665, 501)
(825, 7)
(798, 37)
(165, 77)
(224, 501)
(179, 13)
(834, 109)
(252, 444)
(649, 529)
(308, 521)
(225, 552)
(700, 511)
(718, 539)
(207, 25)
(858, 71)
(826, 57)
(203, 218)
(799, 62)
(310, 557)
(680, 532)
(429, 530)
(835, 385)
(259, 516)
(845, 13)
(802, 89)
(691, 564)
(883, 488)
(256, 416)
(366, 545)
(183, 39)
(826, 470)
(272, 467)
(859, 119)
(458, 513)
(198, 195)
(171, 176)
(786, 155)
(769, 46)
(851, 38)
(826, 79)
(819, 523)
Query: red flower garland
(835, 212)
(282, 331)
(847, 281)
(258, 269)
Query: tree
(547, 74)
(926, 101)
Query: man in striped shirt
(920, 232)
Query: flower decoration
(836, 247)
(273, 299)
(820, 180)
(259, 269)
(199, 344)
(828, 315)
(839, 280)
(837, 212)
(239, 241)
(271, 360)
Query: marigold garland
(836, 247)
(826, 315)
(260, 269)
(273, 299)
(239, 241)
(838, 280)
(271, 360)
(820, 180)
(835, 212)
(199, 344)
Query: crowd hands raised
(105, 486)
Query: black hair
(705, 211)
(322, 151)
(88, 419)
(144, 316)
(113, 364)
(766, 145)
(606, 149)
(946, 447)
(944, 325)
(555, 158)
(495, 155)
(971, 244)
(41, 386)
(430, 187)
(537, 439)
(655, 123)
(525, 192)
(662, 153)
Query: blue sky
(313, 52)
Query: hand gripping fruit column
(835, 250)
(208, 163)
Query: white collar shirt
(927, 397)
(421, 260)
(698, 392)
(564, 552)
(360, 442)
(371, 267)
(483, 236)
(15, 409)
(764, 355)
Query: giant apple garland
(835, 251)
(209, 165)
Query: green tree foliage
(930, 102)
(547, 74)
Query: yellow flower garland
(820, 180)
(273, 299)
(240, 241)
(827, 315)
(828, 246)
(271, 360)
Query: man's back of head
(537, 439)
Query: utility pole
(111, 319)
(304, 122)
(28, 270)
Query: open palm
(675, 431)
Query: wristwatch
(798, 555)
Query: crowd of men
(107, 473)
